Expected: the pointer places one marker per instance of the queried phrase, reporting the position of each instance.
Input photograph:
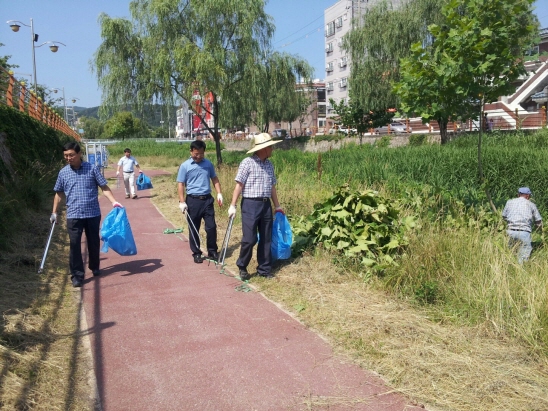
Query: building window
(330, 86)
(339, 22)
(330, 29)
(329, 66)
(329, 47)
(321, 123)
(321, 95)
(343, 61)
(321, 110)
(342, 83)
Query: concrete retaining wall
(396, 140)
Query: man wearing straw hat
(256, 183)
(520, 214)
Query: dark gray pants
(75, 228)
(198, 210)
(256, 218)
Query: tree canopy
(353, 115)
(122, 125)
(378, 42)
(476, 55)
(203, 52)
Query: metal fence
(16, 95)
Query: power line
(317, 29)
(302, 28)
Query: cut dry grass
(42, 363)
(421, 352)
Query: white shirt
(128, 163)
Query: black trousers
(198, 210)
(256, 218)
(75, 228)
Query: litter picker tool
(193, 231)
(225, 242)
(46, 250)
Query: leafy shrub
(417, 139)
(31, 156)
(360, 225)
(383, 142)
(330, 137)
(427, 292)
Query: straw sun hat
(261, 141)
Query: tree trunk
(216, 135)
(442, 123)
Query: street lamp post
(55, 90)
(73, 122)
(34, 39)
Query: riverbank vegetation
(456, 324)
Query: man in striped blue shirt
(256, 182)
(78, 182)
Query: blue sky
(299, 30)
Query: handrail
(15, 94)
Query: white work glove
(231, 211)
(117, 172)
(53, 218)
(220, 199)
(183, 206)
(117, 204)
(279, 209)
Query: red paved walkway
(169, 334)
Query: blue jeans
(523, 240)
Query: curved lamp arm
(54, 47)
(14, 26)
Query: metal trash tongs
(46, 250)
(225, 242)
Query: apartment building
(339, 20)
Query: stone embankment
(396, 140)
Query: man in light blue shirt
(127, 163)
(193, 177)
(520, 214)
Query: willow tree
(378, 42)
(193, 50)
(269, 91)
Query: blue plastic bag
(282, 238)
(143, 182)
(116, 233)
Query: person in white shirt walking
(520, 214)
(127, 164)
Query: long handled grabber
(117, 182)
(46, 250)
(225, 244)
(193, 231)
